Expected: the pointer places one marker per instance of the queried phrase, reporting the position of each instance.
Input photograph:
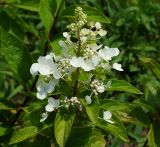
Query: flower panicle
(92, 56)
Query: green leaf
(23, 134)
(62, 126)
(153, 135)
(120, 85)
(16, 55)
(34, 106)
(48, 11)
(12, 26)
(31, 5)
(153, 64)
(4, 130)
(5, 106)
(92, 112)
(92, 14)
(55, 46)
(92, 109)
(86, 137)
(113, 105)
(116, 129)
(140, 116)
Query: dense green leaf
(153, 135)
(5, 106)
(4, 130)
(120, 85)
(140, 116)
(153, 64)
(92, 14)
(23, 134)
(16, 55)
(12, 26)
(92, 112)
(113, 105)
(48, 11)
(62, 127)
(33, 107)
(31, 5)
(86, 137)
(116, 129)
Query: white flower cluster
(86, 55)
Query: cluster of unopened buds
(87, 55)
(73, 101)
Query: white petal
(98, 25)
(108, 53)
(50, 56)
(110, 121)
(49, 108)
(109, 83)
(87, 65)
(56, 73)
(95, 60)
(96, 47)
(34, 69)
(52, 84)
(66, 35)
(76, 62)
(102, 32)
(45, 65)
(44, 117)
(100, 89)
(83, 39)
(62, 44)
(41, 94)
(41, 85)
(53, 102)
(88, 99)
(107, 115)
(117, 66)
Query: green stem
(75, 87)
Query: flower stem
(78, 69)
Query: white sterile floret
(76, 61)
(44, 88)
(45, 66)
(107, 53)
(95, 60)
(51, 85)
(83, 39)
(102, 32)
(98, 25)
(44, 117)
(109, 84)
(86, 65)
(34, 69)
(88, 99)
(107, 116)
(52, 104)
(67, 35)
(117, 66)
(62, 44)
